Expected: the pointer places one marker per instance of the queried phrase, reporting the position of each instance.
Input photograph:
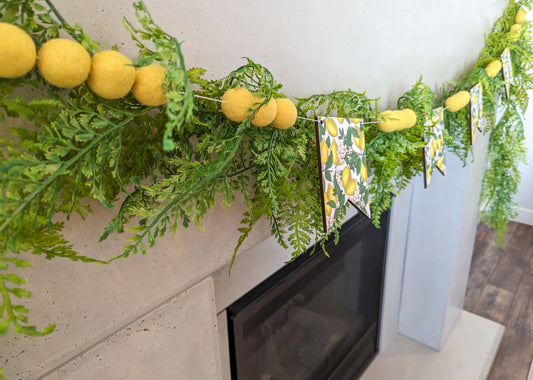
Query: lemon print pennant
(434, 148)
(343, 167)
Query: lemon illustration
(346, 176)
(328, 196)
(64, 63)
(323, 152)
(266, 113)
(360, 141)
(331, 127)
(236, 102)
(350, 187)
(440, 163)
(433, 148)
(112, 75)
(17, 51)
(335, 153)
(286, 114)
(147, 88)
(364, 173)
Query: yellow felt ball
(493, 68)
(285, 115)
(265, 114)
(407, 118)
(514, 32)
(455, 102)
(147, 88)
(64, 63)
(17, 51)
(520, 16)
(390, 121)
(112, 75)
(236, 102)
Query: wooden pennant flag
(342, 167)
(476, 110)
(507, 66)
(434, 149)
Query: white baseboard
(525, 216)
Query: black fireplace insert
(318, 316)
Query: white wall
(312, 46)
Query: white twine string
(298, 117)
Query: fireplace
(317, 317)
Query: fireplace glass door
(316, 318)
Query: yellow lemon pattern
(507, 65)
(343, 167)
(476, 110)
(434, 148)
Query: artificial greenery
(173, 163)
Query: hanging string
(298, 117)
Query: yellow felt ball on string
(493, 68)
(514, 32)
(285, 115)
(147, 88)
(236, 102)
(17, 51)
(407, 118)
(520, 16)
(64, 63)
(112, 75)
(390, 121)
(266, 114)
(455, 102)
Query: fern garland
(174, 162)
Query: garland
(174, 161)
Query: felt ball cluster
(238, 103)
(67, 64)
(396, 120)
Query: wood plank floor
(500, 288)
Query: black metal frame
(287, 276)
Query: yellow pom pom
(514, 32)
(286, 114)
(147, 88)
(493, 68)
(236, 104)
(456, 102)
(64, 63)
(390, 121)
(17, 51)
(520, 16)
(112, 75)
(407, 118)
(265, 114)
